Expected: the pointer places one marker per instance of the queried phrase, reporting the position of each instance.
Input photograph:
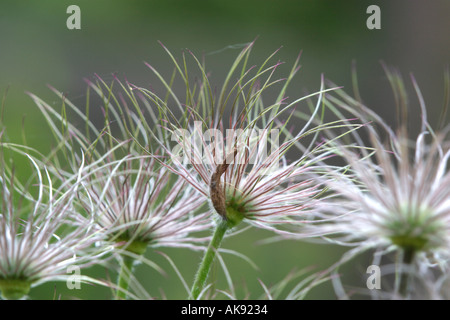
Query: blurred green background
(37, 49)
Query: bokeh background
(37, 49)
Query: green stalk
(126, 270)
(408, 257)
(131, 251)
(208, 258)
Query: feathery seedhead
(264, 192)
(404, 204)
(38, 240)
(136, 203)
(221, 142)
(392, 196)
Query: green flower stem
(126, 271)
(135, 247)
(208, 258)
(408, 257)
